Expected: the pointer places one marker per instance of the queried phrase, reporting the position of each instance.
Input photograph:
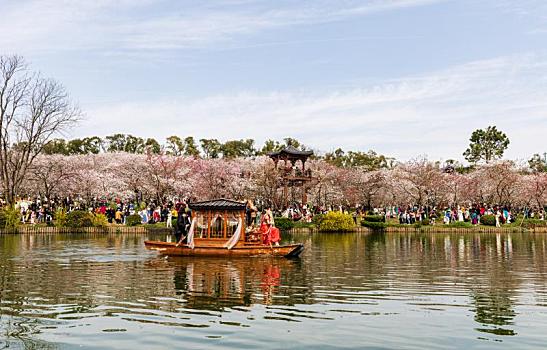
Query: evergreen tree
(486, 145)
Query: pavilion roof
(218, 204)
(291, 152)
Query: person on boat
(183, 224)
(250, 213)
(270, 233)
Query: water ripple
(401, 291)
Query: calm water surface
(393, 291)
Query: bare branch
(32, 110)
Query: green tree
(76, 146)
(175, 145)
(134, 144)
(115, 143)
(152, 146)
(537, 163)
(56, 146)
(190, 147)
(337, 158)
(289, 141)
(211, 148)
(269, 147)
(93, 144)
(125, 143)
(486, 145)
(368, 161)
(238, 148)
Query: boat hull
(170, 248)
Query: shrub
(488, 220)
(284, 224)
(464, 224)
(376, 226)
(60, 217)
(531, 223)
(9, 218)
(316, 220)
(375, 218)
(79, 218)
(133, 220)
(336, 221)
(425, 222)
(100, 220)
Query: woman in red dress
(270, 233)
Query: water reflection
(214, 284)
(107, 291)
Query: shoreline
(157, 230)
(90, 230)
(434, 229)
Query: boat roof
(218, 204)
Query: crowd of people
(44, 211)
(472, 214)
(174, 213)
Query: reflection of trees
(427, 264)
(484, 264)
(493, 289)
(494, 308)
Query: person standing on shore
(169, 224)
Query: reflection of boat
(218, 229)
(216, 283)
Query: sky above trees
(402, 77)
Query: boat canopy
(219, 219)
(218, 204)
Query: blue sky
(402, 77)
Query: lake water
(392, 291)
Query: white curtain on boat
(190, 239)
(235, 237)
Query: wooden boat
(170, 248)
(218, 229)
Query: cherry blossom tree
(163, 175)
(535, 189)
(420, 181)
(326, 191)
(49, 174)
(126, 176)
(498, 183)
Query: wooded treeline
(207, 149)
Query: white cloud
(430, 114)
(52, 25)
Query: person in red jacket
(270, 233)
